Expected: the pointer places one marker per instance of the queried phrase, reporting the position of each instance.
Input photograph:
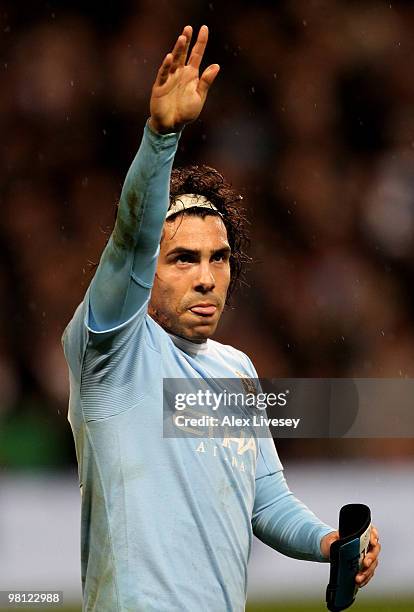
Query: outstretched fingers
(179, 93)
(187, 32)
(177, 58)
(164, 70)
(178, 52)
(173, 59)
(197, 51)
(207, 79)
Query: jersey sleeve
(125, 274)
(104, 364)
(110, 319)
(279, 519)
(284, 523)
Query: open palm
(179, 93)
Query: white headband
(190, 200)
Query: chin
(200, 332)
(195, 331)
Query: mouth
(203, 310)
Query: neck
(189, 346)
(162, 321)
(193, 340)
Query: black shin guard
(347, 554)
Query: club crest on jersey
(247, 382)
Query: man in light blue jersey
(167, 523)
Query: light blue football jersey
(167, 523)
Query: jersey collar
(192, 348)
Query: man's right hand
(179, 93)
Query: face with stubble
(192, 278)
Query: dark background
(311, 118)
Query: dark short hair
(208, 182)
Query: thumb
(207, 79)
(326, 542)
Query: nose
(205, 280)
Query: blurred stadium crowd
(312, 117)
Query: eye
(220, 257)
(184, 258)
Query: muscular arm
(281, 521)
(124, 277)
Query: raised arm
(123, 280)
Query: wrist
(159, 129)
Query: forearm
(126, 270)
(281, 521)
(144, 198)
